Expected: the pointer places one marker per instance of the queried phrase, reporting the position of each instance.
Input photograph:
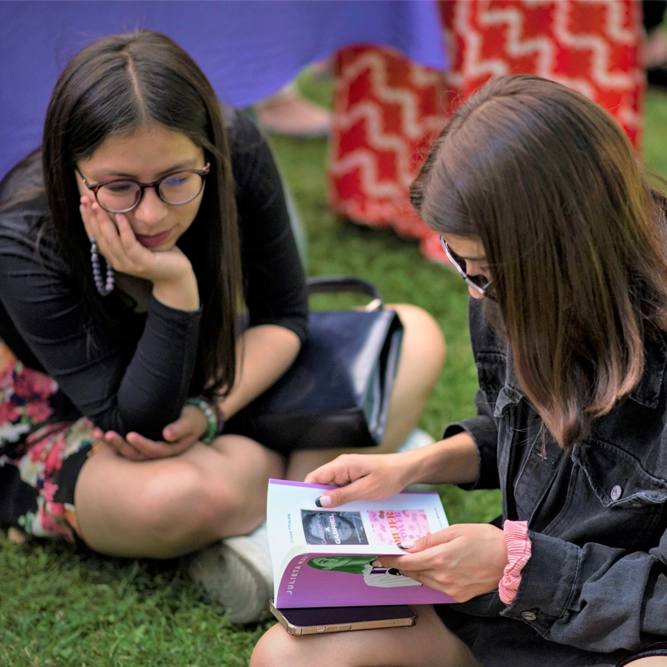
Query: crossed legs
(169, 507)
(427, 644)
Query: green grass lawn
(59, 607)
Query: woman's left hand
(178, 436)
(463, 561)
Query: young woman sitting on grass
(545, 210)
(150, 289)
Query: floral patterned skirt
(40, 458)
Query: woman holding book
(560, 235)
(150, 289)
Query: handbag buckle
(375, 304)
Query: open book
(323, 557)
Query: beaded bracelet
(220, 416)
(214, 425)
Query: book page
(314, 551)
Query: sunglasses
(479, 283)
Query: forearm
(264, 354)
(119, 388)
(450, 461)
(181, 293)
(157, 379)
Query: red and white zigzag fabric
(388, 110)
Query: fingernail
(323, 501)
(376, 563)
(406, 544)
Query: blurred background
(400, 65)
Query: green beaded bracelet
(210, 415)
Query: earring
(102, 288)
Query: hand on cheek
(117, 243)
(85, 208)
(98, 223)
(115, 239)
(127, 238)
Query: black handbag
(337, 392)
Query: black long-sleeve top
(139, 383)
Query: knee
(180, 504)
(276, 647)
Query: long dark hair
(117, 85)
(574, 236)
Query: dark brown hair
(574, 237)
(115, 86)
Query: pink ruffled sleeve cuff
(518, 552)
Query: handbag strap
(334, 284)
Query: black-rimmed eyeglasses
(479, 283)
(123, 195)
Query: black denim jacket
(597, 515)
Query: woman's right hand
(178, 436)
(362, 476)
(120, 248)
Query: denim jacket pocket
(617, 477)
(624, 504)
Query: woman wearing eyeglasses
(560, 237)
(150, 289)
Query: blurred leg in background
(655, 53)
(387, 109)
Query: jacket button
(616, 492)
(528, 615)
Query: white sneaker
(416, 439)
(237, 573)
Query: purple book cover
(341, 580)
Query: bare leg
(655, 48)
(169, 507)
(649, 662)
(420, 364)
(427, 644)
(290, 113)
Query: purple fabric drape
(248, 49)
